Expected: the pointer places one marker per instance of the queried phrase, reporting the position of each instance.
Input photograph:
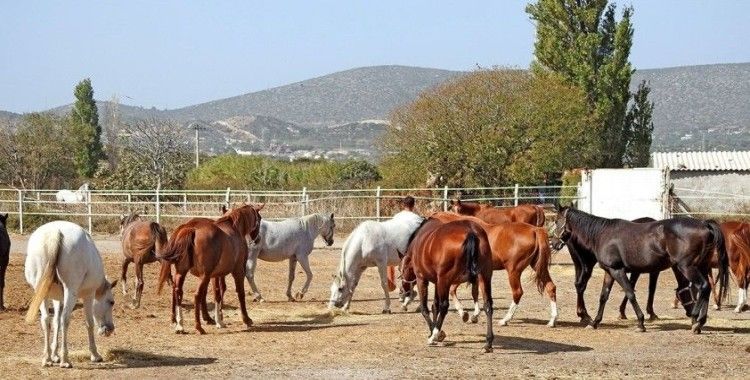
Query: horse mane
(414, 234)
(130, 218)
(587, 226)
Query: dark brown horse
(515, 246)
(448, 254)
(531, 214)
(4, 256)
(141, 240)
(620, 246)
(211, 250)
(737, 242)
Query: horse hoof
(179, 331)
(465, 317)
(487, 350)
(299, 296)
(2, 308)
(290, 299)
(640, 329)
(502, 322)
(249, 323)
(132, 306)
(209, 320)
(551, 324)
(66, 365)
(47, 363)
(200, 330)
(386, 311)
(696, 328)
(474, 319)
(96, 358)
(717, 307)
(404, 308)
(653, 317)
(441, 336)
(590, 327)
(623, 316)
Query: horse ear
(223, 209)
(4, 217)
(259, 206)
(455, 201)
(331, 216)
(400, 255)
(113, 284)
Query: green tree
(488, 128)
(640, 128)
(583, 42)
(85, 130)
(35, 156)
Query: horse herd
(446, 248)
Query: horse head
(326, 230)
(4, 219)
(561, 231)
(340, 292)
(126, 219)
(104, 302)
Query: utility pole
(197, 128)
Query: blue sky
(170, 54)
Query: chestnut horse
(448, 254)
(531, 214)
(515, 246)
(211, 249)
(141, 240)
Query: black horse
(653, 277)
(620, 246)
(4, 256)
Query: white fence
(100, 210)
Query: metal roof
(701, 160)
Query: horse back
(737, 241)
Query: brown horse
(515, 246)
(448, 254)
(211, 250)
(531, 214)
(141, 240)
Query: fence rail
(100, 210)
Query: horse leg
(304, 262)
(383, 270)
(45, 322)
(292, 269)
(633, 280)
(457, 304)
(422, 290)
(138, 285)
(239, 284)
(603, 296)
(69, 302)
(622, 279)
(700, 309)
(200, 299)
(441, 309)
(252, 261)
(714, 292)
(178, 281)
(88, 308)
(485, 285)
(653, 278)
(475, 298)
(683, 285)
(56, 306)
(2, 286)
(583, 274)
(514, 279)
(219, 301)
(124, 275)
(741, 294)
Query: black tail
(470, 251)
(721, 248)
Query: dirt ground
(303, 339)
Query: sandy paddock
(303, 340)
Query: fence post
(445, 198)
(515, 195)
(88, 210)
(184, 202)
(303, 201)
(158, 206)
(226, 197)
(20, 211)
(377, 202)
(130, 204)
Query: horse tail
(52, 246)
(540, 259)
(391, 278)
(540, 219)
(178, 248)
(721, 248)
(470, 249)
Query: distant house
(708, 182)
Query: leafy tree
(358, 174)
(583, 42)
(37, 155)
(151, 157)
(488, 128)
(640, 128)
(85, 130)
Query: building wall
(713, 191)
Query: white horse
(290, 239)
(68, 196)
(63, 265)
(372, 244)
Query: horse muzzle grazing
(106, 330)
(329, 242)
